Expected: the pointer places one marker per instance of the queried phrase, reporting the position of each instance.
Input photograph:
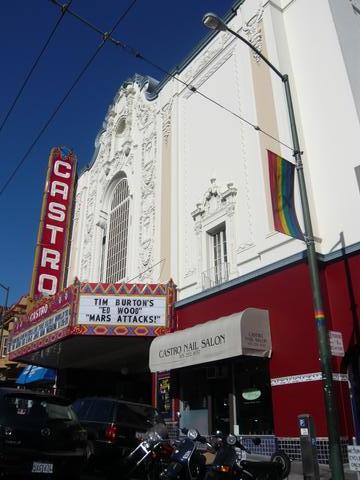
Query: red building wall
(287, 295)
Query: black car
(40, 436)
(114, 428)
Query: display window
(233, 396)
(253, 396)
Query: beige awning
(243, 333)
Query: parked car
(114, 428)
(40, 436)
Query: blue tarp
(32, 373)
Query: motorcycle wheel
(284, 460)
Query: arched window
(118, 233)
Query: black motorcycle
(187, 462)
(227, 466)
(151, 457)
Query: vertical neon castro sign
(55, 221)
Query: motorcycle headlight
(154, 437)
(192, 434)
(231, 439)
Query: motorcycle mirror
(256, 441)
(192, 434)
(231, 439)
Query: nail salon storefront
(221, 369)
(252, 371)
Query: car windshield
(20, 408)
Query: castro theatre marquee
(94, 325)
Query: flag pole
(214, 22)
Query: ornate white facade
(194, 166)
(127, 147)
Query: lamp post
(3, 316)
(213, 22)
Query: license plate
(143, 448)
(39, 467)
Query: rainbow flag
(281, 173)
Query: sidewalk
(296, 472)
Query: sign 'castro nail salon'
(243, 333)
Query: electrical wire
(149, 268)
(135, 53)
(105, 38)
(34, 65)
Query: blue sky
(165, 31)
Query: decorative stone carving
(198, 227)
(198, 64)
(89, 231)
(116, 152)
(166, 118)
(209, 72)
(244, 246)
(85, 266)
(215, 199)
(190, 272)
(147, 218)
(77, 209)
(145, 113)
(247, 230)
(253, 31)
(102, 221)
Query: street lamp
(3, 316)
(213, 22)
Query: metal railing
(215, 275)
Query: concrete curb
(296, 472)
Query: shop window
(253, 396)
(118, 233)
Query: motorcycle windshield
(183, 451)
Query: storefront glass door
(253, 396)
(194, 400)
(219, 401)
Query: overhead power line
(105, 38)
(34, 65)
(135, 53)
